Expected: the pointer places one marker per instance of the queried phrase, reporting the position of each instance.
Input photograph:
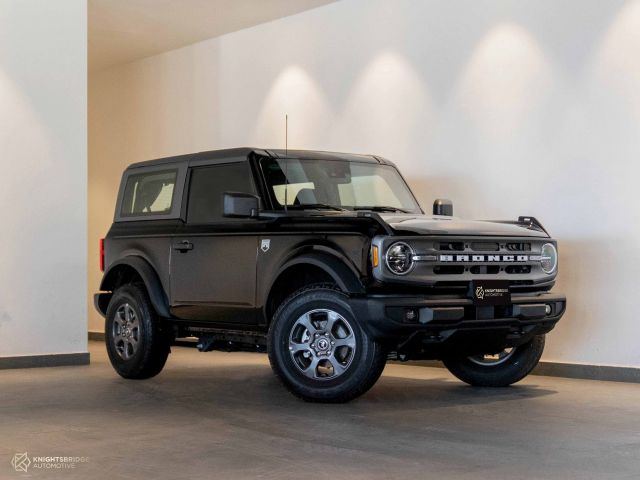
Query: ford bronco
(327, 262)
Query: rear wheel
(319, 350)
(137, 346)
(498, 370)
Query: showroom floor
(220, 415)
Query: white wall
(507, 108)
(43, 160)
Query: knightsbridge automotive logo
(21, 462)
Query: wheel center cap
(323, 344)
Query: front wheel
(319, 350)
(498, 370)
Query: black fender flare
(149, 277)
(344, 276)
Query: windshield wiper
(382, 208)
(317, 206)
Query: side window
(149, 193)
(207, 188)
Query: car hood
(441, 225)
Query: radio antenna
(286, 159)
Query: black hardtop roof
(273, 153)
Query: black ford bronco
(326, 261)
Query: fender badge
(266, 243)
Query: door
(213, 258)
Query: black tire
(511, 370)
(153, 345)
(366, 360)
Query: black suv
(326, 261)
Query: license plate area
(490, 292)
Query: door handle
(183, 246)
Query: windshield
(337, 184)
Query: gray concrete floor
(220, 415)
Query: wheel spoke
(119, 319)
(332, 317)
(338, 368)
(312, 369)
(349, 341)
(125, 349)
(305, 321)
(295, 347)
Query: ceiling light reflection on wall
(388, 109)
(295, 93)
(506, 79)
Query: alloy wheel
(322, 344)
(126, 331)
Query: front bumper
(434, 326)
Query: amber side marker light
(102, 254)
(375, 256)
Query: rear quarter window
(149, 193)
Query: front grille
(448, 264)
(453, 263)
(471, 250)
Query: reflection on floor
(219, 415)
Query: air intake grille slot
(451, 246)
(518, 269)
(519, 247)
(448, 270)
(485, 246)
(485, 269)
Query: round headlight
(399, 258)
(549, 258)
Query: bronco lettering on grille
(484, 258)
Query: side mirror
(240, 205)
(442, 206)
